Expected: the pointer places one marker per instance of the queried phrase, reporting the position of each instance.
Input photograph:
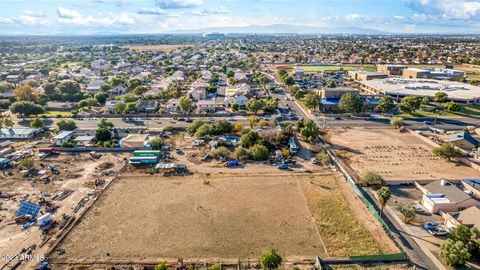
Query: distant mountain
(284, 28)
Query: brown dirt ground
(156, 217)
(395, 155)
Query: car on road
(189, 120)
(282, 167)
(294, 118)
(438, 231)
(428, 123)
(430, 224)
(231, 119)
(182, 119)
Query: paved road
(154, 124)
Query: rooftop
(449, 190)
(425, 87)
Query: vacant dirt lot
(159, 48)
(155, 217)
(395, 155)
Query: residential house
(110, 105)
(172, 105)
(206, 106)
(85, 141)
(237, 89)
(95, 86)
(147, 106)
(240, 100)
(19, 133)
(446, 197)
(469, 217)
(463, 140)
(62, 137)
(241, 77)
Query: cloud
(448, 9)
(151, 11)
(37, 14)
(73, 17)
(214, 11)
(167, 4)
(65, 13)
(4, 20)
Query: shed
(135, 141)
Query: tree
(103, 134)
(25, 93)
(230, 74)
(7, 121)
(452, 106)
(204, 130)
(132, 84)
(140, 90)
(410, 104)
(119, 108)
(440, 97)
(156, 143)
(26, 108)
(27, 163)
(281, 73)
(249, 139)
(310, 131)
(241, 154)
(270, 260)
(70, 91)
(323, 158)
(351, 103)
(469, 236)
(331, 84)
(220, 152)
(104, 123)
(259, 152)
(254, 105)
(408, 211)
(289, 81)
(312, 101)
(252, 119)
(221, 127)
(383, 195)
(161, 266)
(66, 125)
(454, 253)
(101, 97)
(37, 123)
(447, 151)
(425, 101)
(372, 179)
(50, 90)
(235, 106)
(195, 125)
(185, 104)
(130, 107)
(397, 122)
(88, 102)
(386, 104)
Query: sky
(74, 17)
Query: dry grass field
(157, 48)
(150, 218)
(395, 155)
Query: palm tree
(384, 195)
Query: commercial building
(391, 69)
(330, 97)
(366, 75)
(436, 73)
(401, 87)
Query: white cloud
(178, 3)
(151, 11)
(66, 13)
(448, 9)
(4, 20)
(218, 10)
(37, 14)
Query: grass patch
(56, 114)
(341, 232)
(323, 68)
(467, 111)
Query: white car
(438, 231)
(313, 160)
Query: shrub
(259, 152)
(270, 260)
(241, 154)
(220, 152)
(372, 179)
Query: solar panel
(27, 208)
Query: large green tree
(26, 108)
(270, 260)
(312, 101)
(254, 105)
(410, 104)
(351, 103)
(386, 104)
(185, 105)
(384, 194)
(447, 151)
(310, 131)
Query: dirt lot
(150, 218)
(396, 156)
(159, 48)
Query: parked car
(232, 163)
(438, 231)
(282, 167)
(305, 170)
(430, 224)
(313, 160)
(289, 161)
(189, 120)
